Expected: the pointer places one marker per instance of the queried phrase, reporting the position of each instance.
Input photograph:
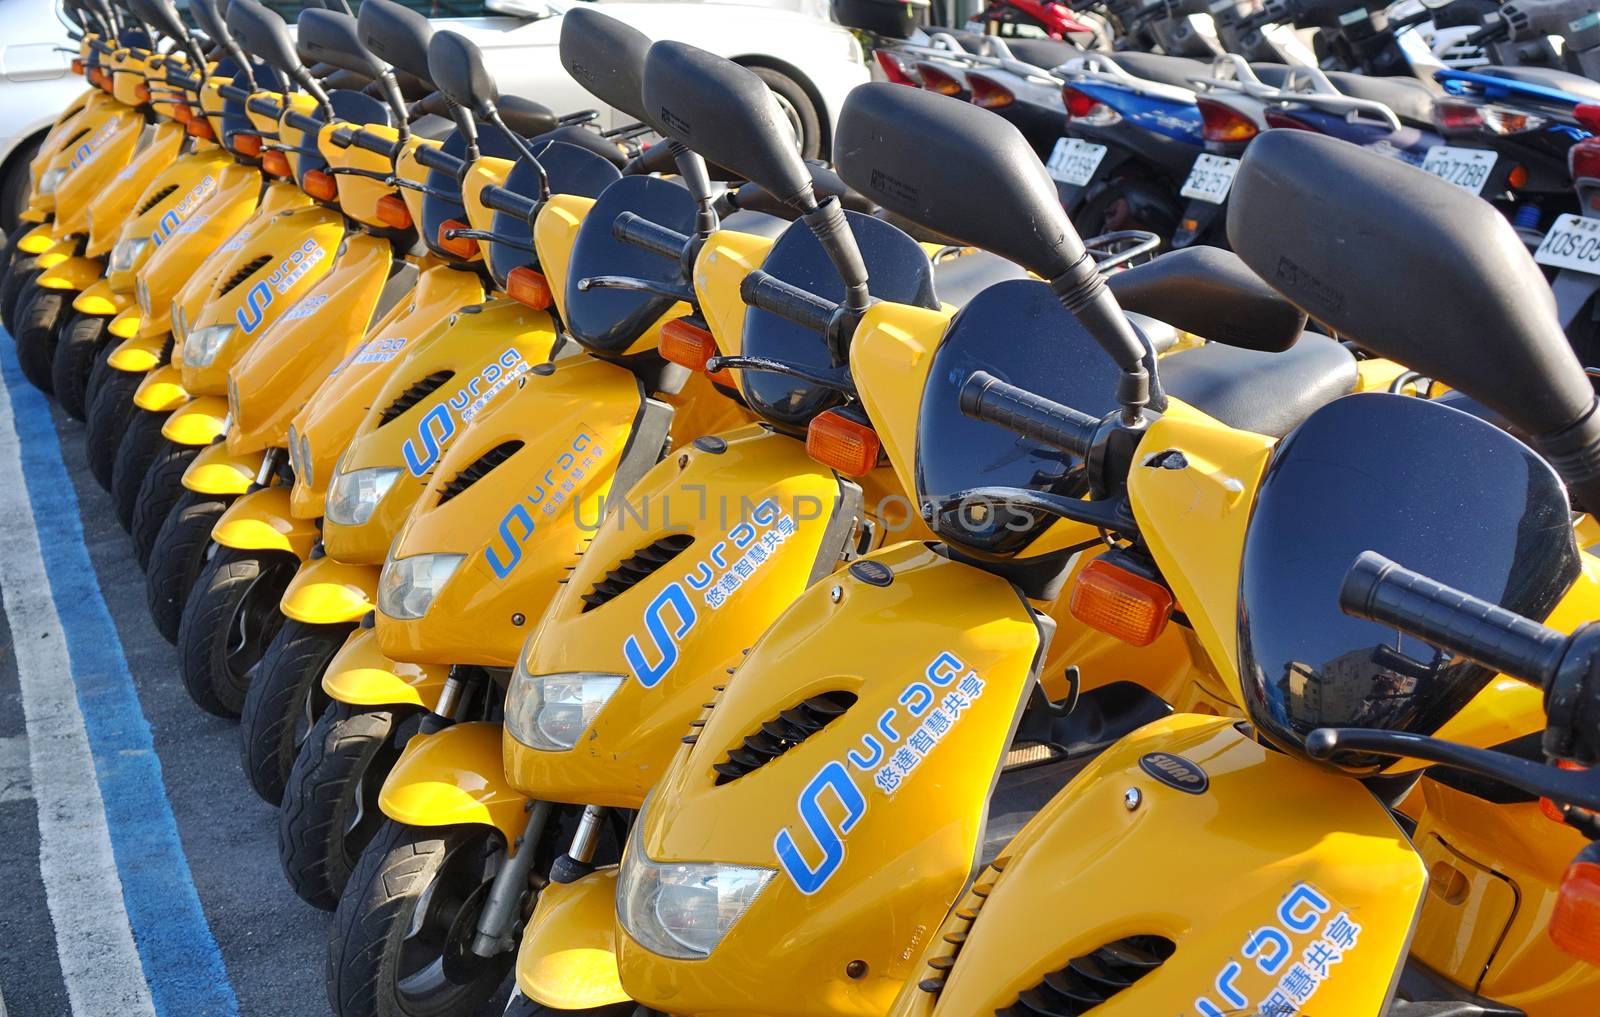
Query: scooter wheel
(98, 374)
(108, 422)
(38, 317)
(78, 345)
(330, 802)
(402, 934)
(178, 555)
(230, 617)
(158, 493)
(17, 280)
(284, 701)
(142, 441)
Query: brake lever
(1104, 514)
(839, 380)
(634, 284)
(490, 236)
(356, 171)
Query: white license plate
(1573, 242)
(1467, 168)
(1073, 162)
(1210, 178)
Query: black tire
(98, 374)
(8, 253)
(142, 441)
(16, 185)
(78, 344)
(799, 106)
(228, 622)
(284, 701)
(158, 493)
(17, 280)
(376, 967)
(330, 808)
(38, 317)
(108, 422)
(179, 554)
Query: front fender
(137, 355)
(453, 777)
(197, 422)
(99, 298)
(260, 521)
(161, 392)
(127, 323)
(568, 957)
(328, 592)
(75, 273)
(216, 471)
(361, 675)
(37, 240)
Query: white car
(36, 82)
(808, 61)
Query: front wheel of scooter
(329, 811)
(402, 934)
(109, 414)
(18, 279)
(38, 318)
(142, 441)
(284, 702)
(158, 494)
(230, 618)
(179, 553)
(78, 345)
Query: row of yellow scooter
(700, 580)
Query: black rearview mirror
(262, 32)
(397, 34)
(331, 38)
(163, 15)
(606, 57)
(457, 68)
(728, 115)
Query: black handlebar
(234, 92)
(366, 142)
(788, 301)
(985, 397)
(304, 123)
(1382, 591)
(437, 158)
(657, 239)
(499, 199)
(265, 107)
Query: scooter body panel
(555, 230)
(361, 675)
(260, 521)
(451, 777)
(328, 592)
(875, 820)
(764, 521)
(93, 167)
(183, 253)
(200, 421)
(890, 357)
(186, 184)
(110, 209)
(1322, 888)
(359, 195)
(161, 391)
(216, 471)
(555, 440)
(568, 956)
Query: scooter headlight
(127, 253)
(300, 455)
(201, 347)
(551, 711)
(682, 909)
(50, 179)
(141, 293)
(407, 586)
(353, 496)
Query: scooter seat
(1566, 81)
(1411, 100)
(1168, 70)
(957, 280)
(1266, 393)
(1044, 53)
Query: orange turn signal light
(528, 287)
(464, 248)
(320, 185)
(1518, 177)
(845, 445)
(1551, 810)
(182, 113)
(141, 91)
(1116, 601)
(247, 144)
(1575, 922)
(687, 344)
(392, 211)
(198, 127)
(275, 163)
(77, 67)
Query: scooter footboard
(568, 957)
(1189, 870)
(453, 777)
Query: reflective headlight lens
(200, 347)
(49, 180)
(407, 586)
(300, 456)
(180, 320)
(126, 254)
(551, 711)
(680, 909)
(141, 293)
(353, 496)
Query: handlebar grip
(500, 199)
(787, 301)
(233, 92)
(1382, 591)
(985, 397)
(439, 159)
(638, 231)
(373, 143)
(265, 107)
(302, 122)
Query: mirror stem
(1575, 454)
(692, 169)
(396, 101)
(491, 113)
(1082, 290)
(827, 222)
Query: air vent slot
(635, 568)
(157, 198)
(1090, 980)
(418, 391)
(782, 733)
(248, 269)
(479, 469)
